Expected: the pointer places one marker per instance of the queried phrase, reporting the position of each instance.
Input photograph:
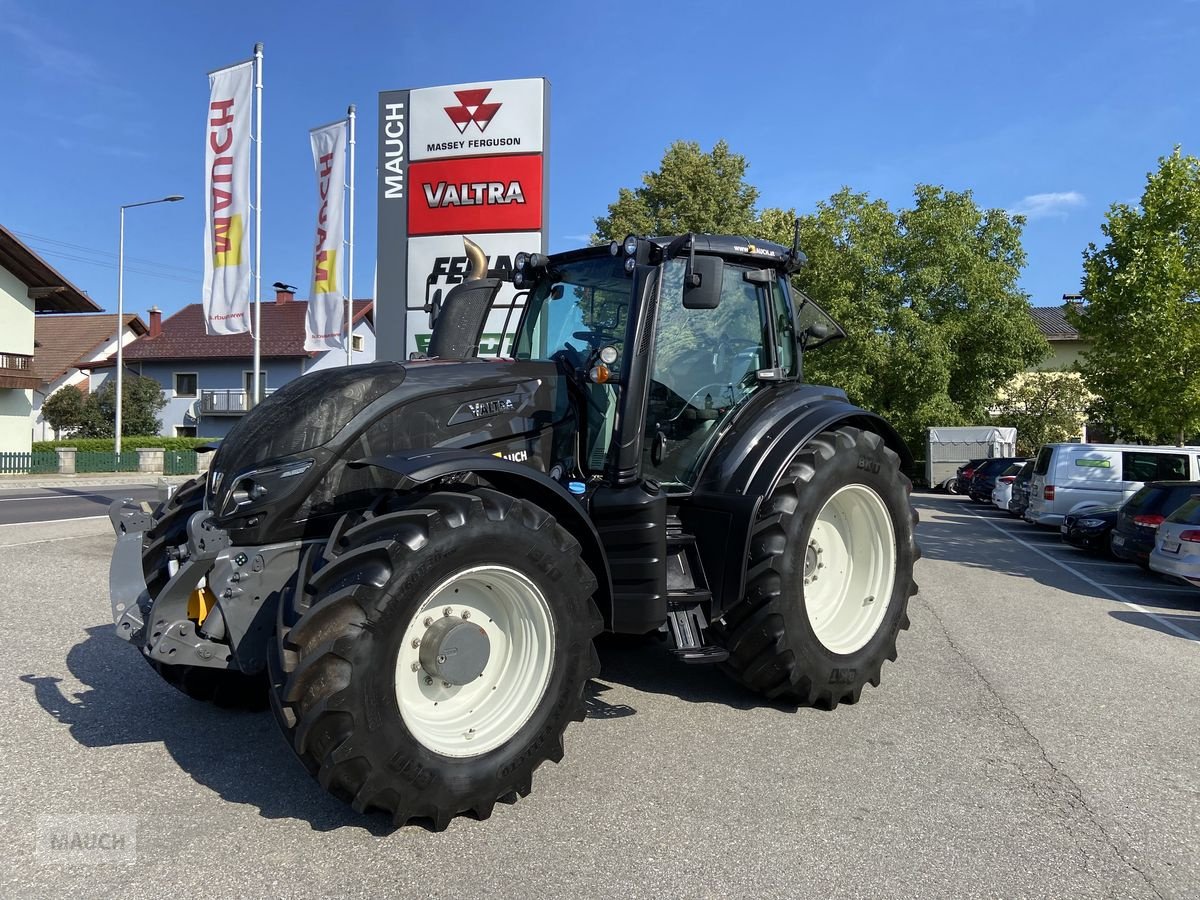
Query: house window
(185, 431)
(185, 384)
(356, 342)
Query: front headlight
(262, 486)
(1091, 523)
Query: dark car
(1020, 492)
(963, 481)
(1138, 520)
(983, 479)
(1090, 529)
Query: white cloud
(1055, 203)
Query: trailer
(947, 449)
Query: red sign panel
(472, 194)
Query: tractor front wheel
(829, 575)
(436, 653)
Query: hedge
(105, 445)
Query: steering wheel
(597, 338)
(703, 389)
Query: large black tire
(773, 646)
(340, 635)
(224, 688)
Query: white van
(1071, 477)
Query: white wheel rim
(850, 569)
(471, 719)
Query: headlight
(262, 486)
(520, 260)
(614, 248)
(1091, 523)
(630, 245)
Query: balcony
(16, 371)
(227, 403)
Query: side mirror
(705, 290)
(818, 330)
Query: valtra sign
(464, 159)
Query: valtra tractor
(410, 560)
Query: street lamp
(121, 308)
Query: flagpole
(255, 391)
(350, 254)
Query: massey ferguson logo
(472, 108)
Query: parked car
(1138, 520)
(1071, 477)
(1020, 490)
(962, 482)
(1177, 544)
(1002, 490)
(1090, 529)
(984, 477)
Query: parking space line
(51, 521)
(1165, 623)
(1157, 587)
(70, 537)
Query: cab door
(705, 367)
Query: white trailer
(946, 449)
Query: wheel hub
(812, 561)
(454, 650)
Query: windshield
(575, 308)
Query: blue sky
(1055, 109)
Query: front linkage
(215, 610)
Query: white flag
(227, 200)
(326, 315)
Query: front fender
(420, 467)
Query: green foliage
(1142, 315)
(105, 445)
(64, 409)
(691, 191)
(927, 295)
(141, 397)
(1045, 408)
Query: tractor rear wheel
(435, 652)
(829, 574)
(225, 688)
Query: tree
(1045, 408)
(691, 191)
(63, 410)
(928, 296)
(1142, 311)
(141, 399)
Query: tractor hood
(307, 432)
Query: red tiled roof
(183, 335)
(61, 342)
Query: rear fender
(417, 468)
(747, 467)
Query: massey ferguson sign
(465, 159)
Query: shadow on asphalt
(242, 757)
(984, 548)
(1184, 623)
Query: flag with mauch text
(227, 200)
(323, 326)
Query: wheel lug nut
(428, 621)
(447, 611)
(445, 684)
(428, 680)
(416, 667)
(416, 642)
(466, 614)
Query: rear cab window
(1042, 466)
(1144, 466)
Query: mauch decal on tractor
(411, 561)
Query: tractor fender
(420, 467)
(747, 465)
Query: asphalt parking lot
(1036, 738)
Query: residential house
(208, 379)
(1067, 346)
(64, 349)
(29, 287)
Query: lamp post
(121, 308)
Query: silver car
(1177, 543)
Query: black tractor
(410, 561)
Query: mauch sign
(464, 159)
